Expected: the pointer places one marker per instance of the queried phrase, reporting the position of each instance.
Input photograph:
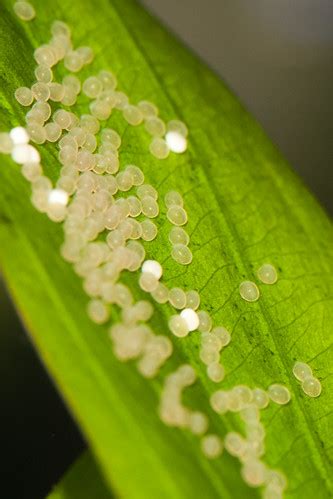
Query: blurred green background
(277, 57)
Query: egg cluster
(133, 339)
(102, 226)
(178, 237)
(212, 343)
(107, 211)
(172, 411)
(311, 386)
(175, 133)
(250, 449)
(249, 291)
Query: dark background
(277, 56)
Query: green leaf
(245, 207)
(82, 481)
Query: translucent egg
(161, 293)
(153, 267)
(44, 55)
(19, 135)
(260, 398)
(177, 298)
(69, 97)
(209, 355)
(92, 87)
(62, 118)
(148, 282)
(249, 291)
(267, 274)
(186, 375)
(90, 144)
(211, 446)
(302, 371)
(25, 153)
(215, 371)
(253, 472)
(59, 28)
(90, 123)
(100, 109)
(59, 93)
(243, 394)
(73, 61)
(178, 326)
(198, 423)
(173, 198)
(98, 311)
(43, 73)
(234, 444)
(191, 318)
(205, 321)
(86, 54)
(222, 334)
(85, 160)
(136, 173)
(178, 235)
(52, 132)
(159, 148)
(210, 340)
(121, 100)
(145, 190)
(143, 310)
(149, 230)
(181, 254)
(111, 136)
(311, 386)
(58, 197)
(276, 479)
(132, 115)
(67, 184)
(31, 171)
(148, 109)
(177, 215)
(108, 80)
(72, 82)
(150, 207)
(192, 299)
(124, 181)
(40, 91)
(176, 142)
(279, 394)
(24, 96)
(24, 10)
(177, 126)
(67, 156)
(155, 126)
(43, 109)
(136, 231)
